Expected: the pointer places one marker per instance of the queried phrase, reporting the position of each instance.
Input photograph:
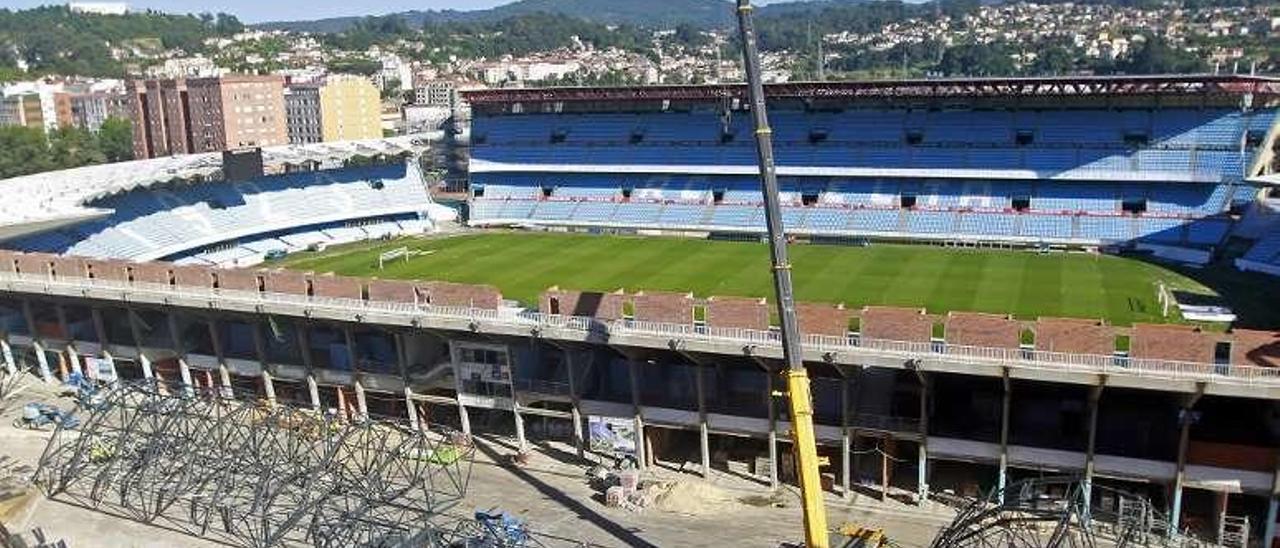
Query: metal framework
(250, 474)
(1198, 84)
(1044, 513)
(1060, 512)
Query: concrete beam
(1003, 478)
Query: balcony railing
(842, 348)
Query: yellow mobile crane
(801, 402)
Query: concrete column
(362, 404)
(1003, 477)
(42, 361)
(224, 377)
(100, 327)
(575, 411)
(641, 439)
(6, 353)
(633, 370)
(1184, 440)
(411, 408)
(314, 390)
(145, 363)
(74, 359)
(184, 373)
(1095, 395)
(773, 430)
(704, 433)
(521, 442)
(464, 419)
(922, 472)
(1269, 528)
(268, 388)
(845, 493)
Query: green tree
(115, 139)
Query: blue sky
(274, 10)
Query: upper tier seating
(1139, 144)
(170, 220)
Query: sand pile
(687, 497)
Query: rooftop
(1194, 84)
(42, 201)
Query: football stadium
(999, 280)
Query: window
(907, 201)
(559, 135)
(914, 136)
(547, 191)
(637, 136)
(1024, 137)
(1254, 137)
(1021, 203)
(817, 136)
(809, 198)
(1134, 205)
(1136, 138)
(726, 136)
(717, 195)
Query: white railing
(843, 349)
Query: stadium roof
(1195, 84)
(43, 201)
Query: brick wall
(452, 294)
(897, 324)
(1171, 342)
(1261, 348)
(605, 306)
(337, 287)
(1074, 336)
(192, 276)
(35, 263)
(70, 267)
(393, 291)
(978, 329)
(738, 312)
(157, 273)
(108, 269)
(823, 319)
(285, 281)
(239, 279)
(7, 259)
(657, 306)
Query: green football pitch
(1024, 283)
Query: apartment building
(350, 109)
(302, 113)
(336, 108)
(184, 116)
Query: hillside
(55, 40)
(649, 13)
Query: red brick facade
(656, 306)
(738, 312)
(978, 329)
(605, 306)
(452, 294)
(893, 323)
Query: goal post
(388, 256)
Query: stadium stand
(1076, 171)
(180, 209)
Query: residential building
(302, 113)
(350, 109)
(435, 92)
(99, 8)
(22, 110)
(90, 109)
(183, 116)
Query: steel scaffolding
(250, 474)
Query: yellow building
(350, 109)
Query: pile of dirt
(687, 497)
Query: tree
(115, 139)
(976, 60)
(1052, 61)
(1155, 56)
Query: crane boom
(804, 443)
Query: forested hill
(644, 13)
(52, 39)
